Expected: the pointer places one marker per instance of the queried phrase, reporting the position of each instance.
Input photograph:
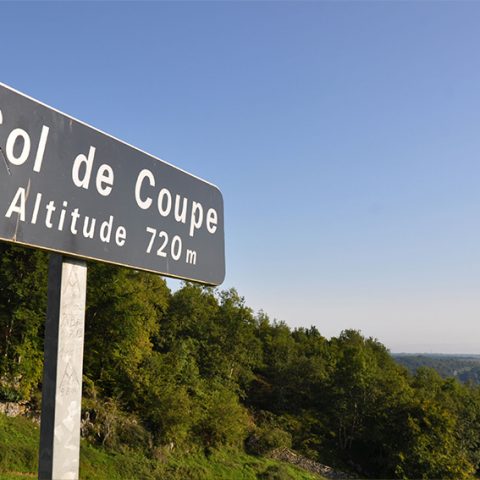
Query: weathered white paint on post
(62, 377)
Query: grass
(227, 465)
(19, 438)
(18, 446)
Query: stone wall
(286, 455)
(13, 409)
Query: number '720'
(174, 248)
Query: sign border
(158, 159)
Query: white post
(62, 376)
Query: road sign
(70, 188)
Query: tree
(23, 304)
(435, 448)
(240, 351)
(124, 308)
(223, 420)
(167, 386)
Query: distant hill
(465, 368)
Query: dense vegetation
(465, 368)
(19, 439)
(196, 371)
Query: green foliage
(436, 427)
(123, 310)
(166, 386)
(172, 377)
(274, 472)
(465, 368)
(355, 405)
(226, 464)
(221, 331)
(266, 439)
(106, 424)
(23, 282)
(19, 453)
(270, 432)
(223, 421)
(241, 350)
(18, 445)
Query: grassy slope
(19, 451)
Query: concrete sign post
(71, 189)
(62, 373)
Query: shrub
(105, 423)
(267, 438)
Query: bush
(275, 472)
(266, 439)
(105, 423)
(223, 421)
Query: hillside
(465, 368)
(19, 452)
(174, 380)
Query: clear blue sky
(345, 138)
